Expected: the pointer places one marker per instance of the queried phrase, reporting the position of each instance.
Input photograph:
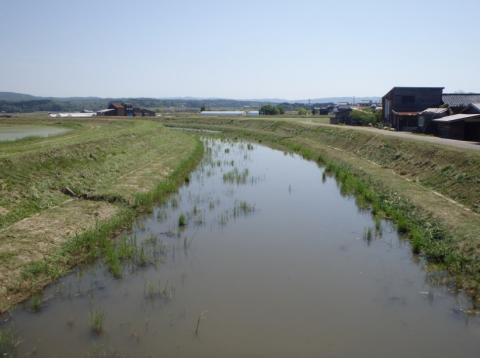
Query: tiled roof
(460, 99)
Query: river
(273, 261)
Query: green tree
(302, 111)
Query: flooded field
(259, 255)
(16, 132)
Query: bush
(365, 117)
(302, 111)
(270, 110)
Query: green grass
(96, 159)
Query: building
(402, 105)
(253, 113)
(72, 115)
(119, 109)
(459, 102)
(125, 109)
(426, 117)
(223, 113)
(459, 126)
(473, 108)
(341, 115)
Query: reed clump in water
(8, 343)
(36, 302)
(97, 320)
(182, 221)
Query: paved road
(405, 135)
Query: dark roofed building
(341, 114)
(125, 109)
(402, 105)
(119, 108)
(459, 126)
(458, 102)
(474, 108)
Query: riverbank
(61, 197)
(431, 191)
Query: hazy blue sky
(239, 49)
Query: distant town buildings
(230, 113)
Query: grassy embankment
(432, 192)
(62, 198)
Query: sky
(245, 49)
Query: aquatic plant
(97, 319)
(153, 291)
(368, 234)
(236, 177)
(142, 258)
(36, 302)
(182, 220)
(8, 343)
(242, 208)
(174, 203)
(201, 316)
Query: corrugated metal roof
(476, 106)
(459, 117)
(435, 110)
(460, 99)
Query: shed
(459, 126)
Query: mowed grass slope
(58, 188)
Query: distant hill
(23, 103)
(16, 97)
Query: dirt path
(404, 135)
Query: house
(125, 109)
(402, 105)
(459, 102)
(459, 126)
(118, 108)
(365, 103)
(341, 115)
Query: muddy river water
(273, 261)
